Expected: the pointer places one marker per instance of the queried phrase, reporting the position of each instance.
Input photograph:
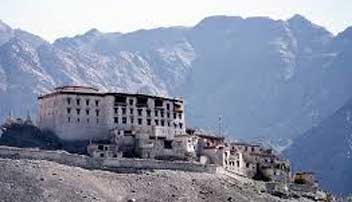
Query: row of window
(78, 101)
(148, 122)
(87, 111)
(157, 113)
(78, 120)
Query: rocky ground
(28, 180)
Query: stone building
(254, 161)
(85, 113)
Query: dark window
(181, 125)
(97, 112)
(149, 122)
(116, 120)
(158, 103)
(157, 122)
(131, 101)
(78, 101)
(140, 112)
(167, 144)
(78, 111)
(238, 163)
(124, 120)
(87, 102)
(97, 103)
(116, 110)
(162, 114)
(156, 113)
(174, 115)
(140, 121)
(78, 120)
(132, 120)
(123, 110)
(168, 114)
(252, 149)
(69, 110)
(131, 111)
(247, 165)
(120, 99)
(180, 115)
(100, 147)
(87, 111)
(148, 112)
(167, 106)
(168, 124)
(68, 101)
(142, 101)
(162, 122)
(69, 119)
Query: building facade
(85, 113)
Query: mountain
(268, 79)
(327, 150)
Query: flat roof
(101, 94)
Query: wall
(105, 164)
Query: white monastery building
(85, 113)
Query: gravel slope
(28, 180)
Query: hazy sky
(51, 19)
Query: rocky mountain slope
(327, 150)
(267, 78)
(48, 181)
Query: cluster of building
(143, 126)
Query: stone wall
(122, 164)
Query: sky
(52, 19)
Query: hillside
(48, 181)
(327, 150)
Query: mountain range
(269, 80)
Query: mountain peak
(93, 32)
(298, 18)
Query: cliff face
(327, 150)
(27, 180)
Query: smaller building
(103, 150)
(304, 178)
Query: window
(78, 120)
(156, 113)
(69, 119)
(157, 122)
(123, 110)
(180, 115)
(168, 114)
(100, 147)
(78, 111)
(162, 122)
(87, 111)
(167, 144)
(162, 114)
(140, 112)
(69, 110)
(174, 115)
(116, 110)
(238, 163)
(181, 125)
(97, 103)
(68, 101)
(131, 111)
(148, 112)
(139, 121)
(131, 120)
(116, 119)
(87, 102)
(97, 112)
(158, 103)
(168, 124)
(167, 106)
(124, 120)
(78, 101)
(131, 101)
(149, 122)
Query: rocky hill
(48, 181)
(267, 78)
(327, 150)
